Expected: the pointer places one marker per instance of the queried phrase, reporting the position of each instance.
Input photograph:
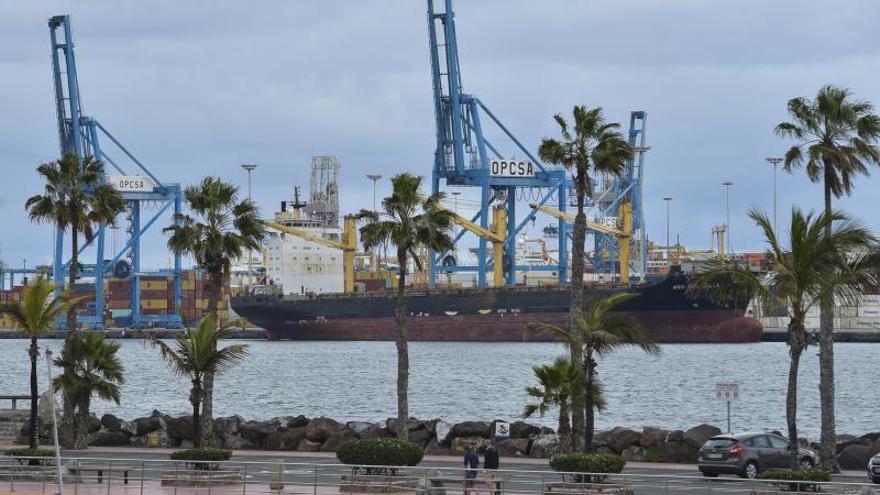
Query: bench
(100, 469)
(15, 399)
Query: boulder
(111, 422)
(698, 435)
(44, 406)
(442, 430)
(652, 436)
(179, 429)
(228, 426)
(298, 421)
(461, 444)
(144, 426)
(420, 436)
(93, 424)
(411, 424)
(307, 445)
(876, 447)
(544, 445)
(513, 447)
(256, 431)
(338, 437)
(854, 456)
(674, 436)
(620, 438)
(471, 429)
(288, 439)
(633, 453)
(521, 429)
(377, 431)
(109, 439)
(678, 451)
(320, 429)
(359, 427)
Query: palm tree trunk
(826, 359)
(81, 429)
(71, 280)
(215, 288)
(577, 408)
(195, 398)
(33, 434)
(402, 349)
(68, 432)
(589, 409)
(564, 430)
(796, 349)
(577, 298)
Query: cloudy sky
(197, 88)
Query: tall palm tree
(836, 140)
(559, 382)
(195, 354)
(591, 146)
(409, 221)
(811, 267)
(34, 316)
(596, 330)
(220, 229)
(90, 367)
(75, 199)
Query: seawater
(485, 381)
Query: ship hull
(664, 310)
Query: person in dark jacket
(471, 463)
(490, 463)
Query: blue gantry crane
(82, 135)
(465, 157)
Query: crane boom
(348, 246)
(568, 217)
(497, 235)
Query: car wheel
(750, 470)
(806, 463)
(710, 474)
(876, 481)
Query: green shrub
(379, 455)
(652, 454)
(205, 459)
(22, 455)
(588, 467)
(810, 476)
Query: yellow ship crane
(623, 234)
(496, 235)
(348, 245)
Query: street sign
(511, 168)
(502, 430)
(727, 391)
(130, 183)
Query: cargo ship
(664, 308)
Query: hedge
(810, 476)
(22, 453)
(204, 459)
(378, 455)
(589, 464)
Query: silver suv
(748, 454)
(874, 469)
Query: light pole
(775, 161)
(250, 167)
(375, 178)
(727, 185)
(667, 199)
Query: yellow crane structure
(348, 245)
(623, 234)
(496, 234)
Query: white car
(874, 469)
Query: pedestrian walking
(490, 464)
(471, 463)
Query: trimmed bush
(205, 459)
(27, 455)
(808, 477)
(379, 455)
(586, 468)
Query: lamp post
(727, 185)
(375, 178)
(250, 167)
(775, 161)
(668, 199)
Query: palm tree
(222, 229)
(559, 382)
(75, 199)
(811, 267)
(595, 147)
(90, 367)
(836, 136)
(34, 316)
(195, 355)
(596, 330)
(409, 221)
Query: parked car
(874, 469)
(749, 454)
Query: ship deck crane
(623, 234)
(348, 245)
(496, 234)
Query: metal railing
(101, 476)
